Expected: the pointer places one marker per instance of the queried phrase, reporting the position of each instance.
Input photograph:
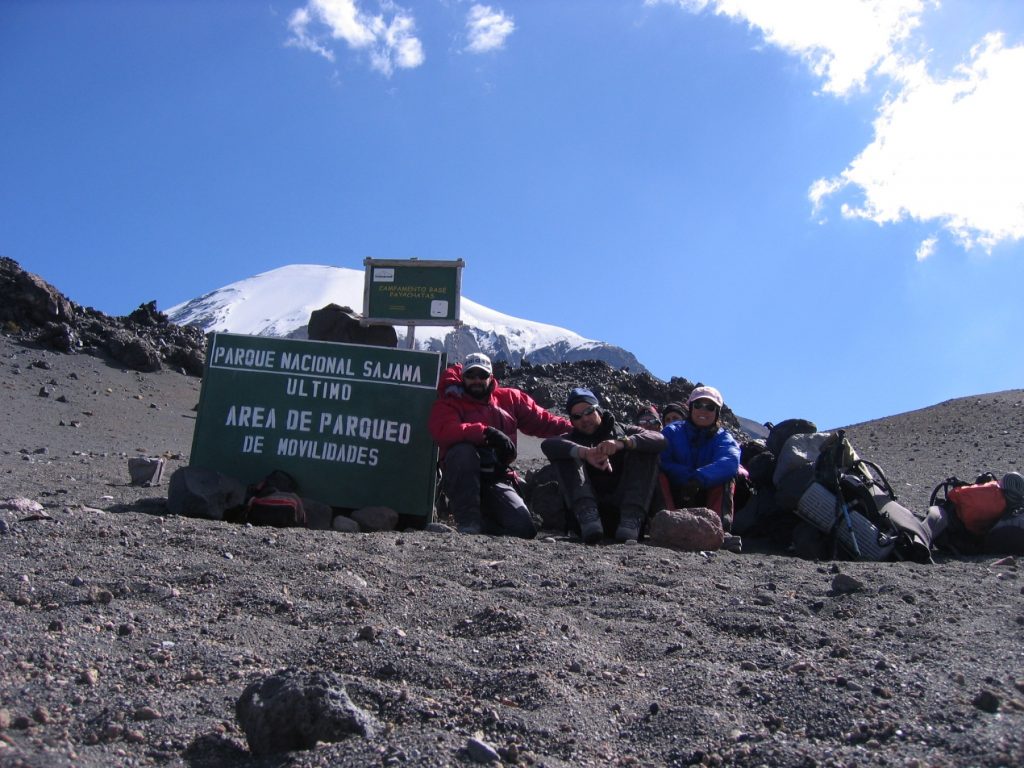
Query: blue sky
(815, 205)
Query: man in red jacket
(475, 422)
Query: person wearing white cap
(474, 422)
(702, 459)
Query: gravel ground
(130, 634)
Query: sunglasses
(581, 414)
(650, 420)
(476, 373)
(703, 405)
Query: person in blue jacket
(702, 459)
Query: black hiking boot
(630, 523)
(591, 530)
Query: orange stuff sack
(978, 506)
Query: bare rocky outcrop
(145, 340)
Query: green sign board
(348, 421)
(412, 291)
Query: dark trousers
(718, 499)
(628, 488)
(483, 504)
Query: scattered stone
(293, 710)
(89, 676)
(21, 505)
(376, 518)
(101, 596)
(987, 701)
(481, 752)
(145, 713)
(5, 719)
(145, 471)
(345, 524)
(843, 584)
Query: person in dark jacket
(702, 459)
(604, 467)
(648, 418)
(673, 412)
(475, 422)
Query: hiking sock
(587, 515)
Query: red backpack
(979, 506)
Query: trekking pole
(837, 457)
(846, 516)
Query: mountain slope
(279, 302)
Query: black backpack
(275, 501)
(861, 488)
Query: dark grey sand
(129, 634)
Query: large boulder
(694, 529)
(334, 323)
(199, 492)
(293, 710)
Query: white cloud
(944, 149)
(389, 44)
(926, 249)
(947, 150)
(487, 28)
(842, 41)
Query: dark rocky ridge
(33, 310)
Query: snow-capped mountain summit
(279, 303)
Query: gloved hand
(502, 444)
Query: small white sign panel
(439, 308)
(384, 275)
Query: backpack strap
(940, 494)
